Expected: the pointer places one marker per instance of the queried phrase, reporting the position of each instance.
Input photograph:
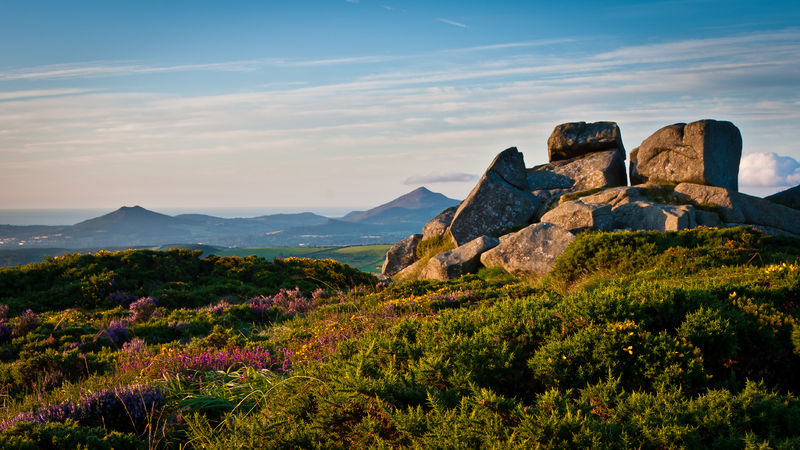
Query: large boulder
(459, 261)
(759, 211)
(411, 272)
(590, 171)
(789, 197)
(738, 208)
(702, 152)
(499, 200)
(570, 140)
(576, 216)
(599, 170)
(530, 251)
(645, 215)
(617, 196)
(723, 200)
(401, 255)
(438, 225)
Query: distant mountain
(419, 204)
(134, 226)
(137, 226)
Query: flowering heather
(121, 298)
(288, 301)
(3, 312)
(5, 331)
(220, 307)
(171, 360)
(135, 347)
(260, 305)
(118, 332)
(143, 309)
(320, 294)
(25, 322)
(121, 408)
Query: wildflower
(143, 309)
(25, 322)
(117, 331)
(121, 298)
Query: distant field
(368, 258)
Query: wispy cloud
(94, 70)
(38, 93)
(444, 112)
(452, 22)
(456, 177)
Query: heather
(637, 339)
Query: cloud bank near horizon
(768, 170)
(457, 177)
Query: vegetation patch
(681, 340)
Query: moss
(426, 249)
(433, 246)
(579, 194)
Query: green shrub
(68, 435)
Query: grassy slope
(651, 340)
(368, 258)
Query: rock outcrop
(776, 218)
(500, 200)
(574, 139)
(401, 255)
(438, 225)
(590, 171)
(644, 215)
(703, 152)
(577, 216)
(723, 200)
(685, 175)
(789, 197)
(530, 251)
(459, 261)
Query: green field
(368, 258)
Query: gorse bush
(176, 277)
(638, 340)
(671, 252)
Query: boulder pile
(521, 219)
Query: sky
(199, 104)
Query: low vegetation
(367, 258)
(636, 340)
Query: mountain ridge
(131, 226)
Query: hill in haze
(419, 204)
(135, 226)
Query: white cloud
(768, 170)
(441, 178)
(452, 22)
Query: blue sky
(308, 103)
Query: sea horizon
(72, 216)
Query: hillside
(635, 340)
(419, 204)
(135, 226)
